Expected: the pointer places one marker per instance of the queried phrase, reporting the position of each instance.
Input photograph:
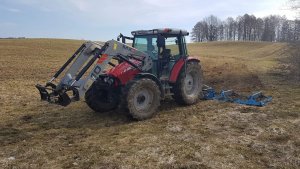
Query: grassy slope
(207, 135)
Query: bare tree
(240, 24)
(271, 25)
(200, 32)
(196, 33)
(295, 47)
(272, 28)
(231, 28)
(295, 5)
(213, 24)
(297, 31)
(286, 31)
(221, 29)
(259, 29)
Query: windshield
(147, 44)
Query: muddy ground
(35, 134)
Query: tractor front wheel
(100, 98)
(142, 98)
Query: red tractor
(135, 77)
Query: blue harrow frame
(255, 99)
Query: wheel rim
(143, 99)
(191, 83)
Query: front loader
(135, 78)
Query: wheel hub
(190, 83)
(143, 99)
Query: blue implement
(256, 99)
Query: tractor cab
(164, 46)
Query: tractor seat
(166, 54)
(152, 52)
(165, 58)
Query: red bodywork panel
(177, 67)
(124, 71)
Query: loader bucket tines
(49, 93)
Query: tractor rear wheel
(188, 87)
(100, 98)
(142, 98)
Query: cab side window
(141, 44)
(152, 48)
(172, 44)
(147, 44)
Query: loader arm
(73, 81)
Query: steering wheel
(154, 52)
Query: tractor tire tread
(92, 100)
(128, 94)
(179, 95)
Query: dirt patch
(226, 76)
(35, 134)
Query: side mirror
(161, 42)
(120, 36)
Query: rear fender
(154, 78)
(178, 66)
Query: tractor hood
(124, 72)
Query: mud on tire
(188, 87)
(100, 98)
(141, 98)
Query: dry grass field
(35, 134)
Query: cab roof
(164, 31)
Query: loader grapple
(50, 94)
(81, 60)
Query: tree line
(272, 28)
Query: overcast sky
(104, 20)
